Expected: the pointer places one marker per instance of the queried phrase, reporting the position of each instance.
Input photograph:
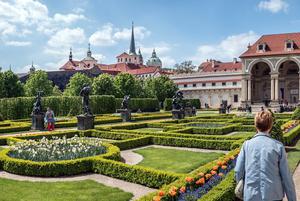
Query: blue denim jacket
(262, 163)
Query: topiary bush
(276, 131)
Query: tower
(70, 55)
(154, 60)
(132, 42)
(140, 57)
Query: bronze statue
(37, 105)
(125, 102)
(84, 93)
(177, 101)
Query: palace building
(268, 74)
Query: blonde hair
(263, 121)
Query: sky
(42, 31)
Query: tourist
(49, 119)
(262, 165)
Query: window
(289, 45)
(125, 59)
(185, 85)
(235, 98)
(134, 58)
(213, 84)
(129, 60)
(234, 83)
(261, 47)
(203, 84)
(194, 85)
(223, 83)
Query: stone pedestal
(178, 114)
(37, 122)
(125, 114)
(85, 122)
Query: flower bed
(57, 149)
(288, 126)
(195, 187)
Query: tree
(125, 85)
(161, 87)
(104, 85)
(56, 91)
(76, 83)
(12, 85)
(185, 67)
(38, 81)
(2, 89)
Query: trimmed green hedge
(54, 168)
(194, 102)
(289, 138)
(144, 104)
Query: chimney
(235, 60)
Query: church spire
(132, 42)
(70, 55)
(89, 52)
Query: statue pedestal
(125, 114)
(85, 122)
(37, 122)
(178, 114)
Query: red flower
(224, 167)
(201, 174)
(182, 189)
(215, 168)
(161, 193)
(208, 176)
(213, 172)
(200, 181)
(189, 179)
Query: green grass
(173, 160)
(59, 191)
(150, 129)
(294, 157)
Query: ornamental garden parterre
(217, 137)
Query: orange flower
(172, 193)
(156, 198)
(224, 167)
(189, 179)
(220, 163)
(215, 168)
(161, 193)
(207, 176)
(201, 174)
(182, 189)
(221, 174)
(213, 172)
(200, 181)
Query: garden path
(296, 178)
(136, 189)
(133, 158)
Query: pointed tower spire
(153, 53)
(132, 42)
(70, 55)
(32, 68)
(89, 52)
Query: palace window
(289, 45)
(129, 60)
(185, 85)
(213, 84)
(125, 59)
(234, 83)
(194, 85)
(223, 83)
(203, 84)
(235, 98)
(261, 47)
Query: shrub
(296, 114)
(144, 104)
(290, 137)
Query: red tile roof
(217, 66)
(275, 45)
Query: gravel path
(136, 189)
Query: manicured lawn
(294, 157)
(173, 160)
(59, 191)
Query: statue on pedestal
(85, 94)
(125, 102)
(37, 105)
(37, 115)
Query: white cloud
(67, 37)
(7, 28)
(68, 18)
(103, 37)
(167, 61)
(140, 33)
(230, 47)
(99, 57)
(18, 43)
(109, 35)
(273, 6)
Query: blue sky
(42, 31)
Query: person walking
(50, 119)
(262, 165)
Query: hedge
(194, 102)
(21, 107)
(54, 168)
(289, 138)
(144, 104)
